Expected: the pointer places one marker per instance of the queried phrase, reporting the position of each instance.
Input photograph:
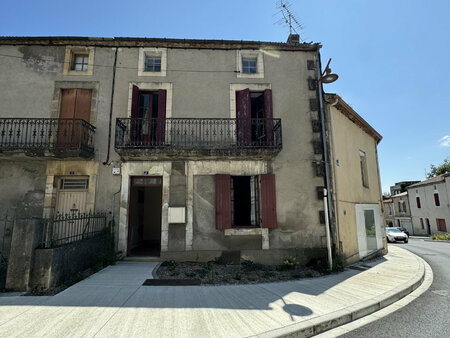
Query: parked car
(404, 230)
(394, 235)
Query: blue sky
(392, 57)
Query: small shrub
(190, 274)
(268, 274)
(225, 279)
(220, 261)
(252, 278)
(296, 274)
(202, 273)
(237, 276)
(442, 237)
(309, 274)
(290, 263)
(174, 273)
(252, 266)
(169, 263)
(211, 275)
(338, 264)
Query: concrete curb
(332, 320)
(436, 240)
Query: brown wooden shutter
(83, 104)
(223, 201)
(161, 124)
(243, 117)
(134, 125)
(268, 201)
(67, 107)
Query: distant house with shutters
(198, 147)
(430, 205)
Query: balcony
(192, 138)
(46, 137)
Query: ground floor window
(245, 201)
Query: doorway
(427, 221)
(144, 223)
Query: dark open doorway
(144, 226)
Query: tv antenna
(288, 17)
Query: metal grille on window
(74, 183)
(147, 181)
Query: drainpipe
(327, 229)
(328, 212)
(111, 107)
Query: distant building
(430, 205)
(400, 187)
(397, 212)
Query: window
(437, 202)
(441, 224)
(74, 183)
(79, 61)
(245, 201)
(152, 62)
(402, 206)
(418, 202)
(421, 223)
(363, 165)
(250, 64)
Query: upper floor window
(389, 210)
(250, 64)
(418, 202)
(363, 165)
(402, 206)
(437, 202)
(152, 62)
(79, 61)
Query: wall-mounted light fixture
(327, 76)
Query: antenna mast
(288, 17)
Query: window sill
(246, 231)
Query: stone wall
(52, 267)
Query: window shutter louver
(268, 201)
(223, 201)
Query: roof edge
(354, 116)
(143, 42)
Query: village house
(430, 205)
(198, 148)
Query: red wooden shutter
(268, 201)
(223, 201)
(268, 114)
(161, 122)
(243, 117)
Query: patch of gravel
(245, 273)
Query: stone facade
(197, 80)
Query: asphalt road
(428, 315)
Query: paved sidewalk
(113, 303)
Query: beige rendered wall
(348, 140)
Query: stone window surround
(56, 101)
(143, 52)
(71, 51)
(56, 169)
(242, 54)
(168, 86)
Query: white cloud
(445, 141)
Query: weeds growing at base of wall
(442, 237)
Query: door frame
(131, 186)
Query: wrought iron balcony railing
(39, 136)
(198, 134)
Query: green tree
(440, 169)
